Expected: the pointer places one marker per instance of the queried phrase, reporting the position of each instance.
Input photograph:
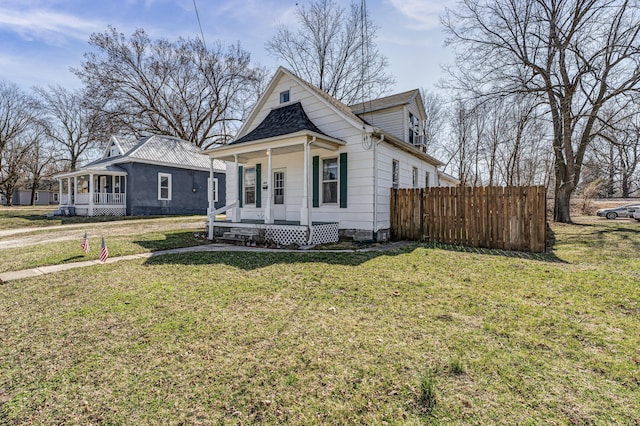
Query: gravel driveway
(24, 237)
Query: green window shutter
(240, 177)
(315, 179)
(258, 185)
(343, 180)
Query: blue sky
(40, 40)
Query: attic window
(284, 97)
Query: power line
(199, 24)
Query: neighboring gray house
(22, 197)
(152, 176)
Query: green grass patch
(61, 252)
(331, 338)
(36, 217)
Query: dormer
(402, 115)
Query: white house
(305, 167)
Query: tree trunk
(562, 203)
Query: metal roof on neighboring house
(170, 150)
(281, 121)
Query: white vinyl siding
(364, 184)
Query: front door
(279, 206)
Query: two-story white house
(306, 168)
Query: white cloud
(424, 15)
(51, 27)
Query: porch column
(210, 215)
(235, 212)
(124, 194)
(59, 191)
(91, 194)
(268, 208)
(304, 211)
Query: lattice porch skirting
(290, 234)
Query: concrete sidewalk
(42, 270)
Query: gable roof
(325, 98)
(398, 99)
(281, 121)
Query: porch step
(239, 236)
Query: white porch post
(211, 202)
(91, 194)
(235, 212)
(59, 191)
(124, 195)
(304, 211)
(268, 208)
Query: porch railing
(108, 198)
(104, 198)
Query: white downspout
(375, 184)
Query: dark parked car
(616, 212)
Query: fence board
(510, 218)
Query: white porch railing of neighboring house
(108, 198)
(104, 198)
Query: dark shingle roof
(281, 121)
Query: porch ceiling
(286, 144)
(104, 171)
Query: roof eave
(407, 147)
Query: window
(214, 189)
(250, 185)
(330, 181)
(414, 130)
(164, 186)
(395, 173)
(426, 179)
(278, 187)
(83, 185)
(284, 97)
(414, 177)
(118, 184)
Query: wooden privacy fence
(507, 218)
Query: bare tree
(71, 122)
(335, 50)
(577, 56)
(437, 115)
(615, 153)
(40, 157)
(17, 117)
(181, 88)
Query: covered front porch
(269, 188)
(100, 192)
(280, 231)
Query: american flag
(104, 253)
(85, 243)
